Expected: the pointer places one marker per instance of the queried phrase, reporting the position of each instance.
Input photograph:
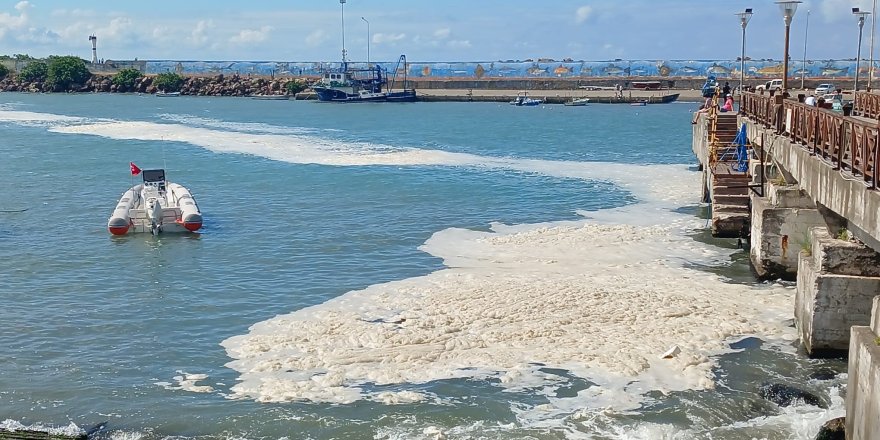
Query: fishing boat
(362, 84)
(523, 99)
(167, 94)
(155, 206)
(577, 102)
(368, 84)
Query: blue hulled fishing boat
(369, 84)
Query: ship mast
(342, 4)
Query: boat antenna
(342, 4)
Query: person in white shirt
(811, 100)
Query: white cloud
(316, 38)
(13, 22)
(583, 13)
(459, 44)
(249, 36)
(442, 33)
(387, 38)
(199, 35)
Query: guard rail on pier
(849, 143)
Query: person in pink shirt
(728, 104)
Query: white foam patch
(188, 382)
(602, 298)
(7, 115)
(256, 127)
(71, 430)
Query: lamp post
(744, 18)
(342, 4)
(871, 57)
(804, 66)
(861, 15)
(368, 40)
(788, 8)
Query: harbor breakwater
(219, 85)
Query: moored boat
(271, 97)
(523, 99)
(167, 94)
(577, 102)
(155, 206)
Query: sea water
(411, 271)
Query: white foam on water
(71, 430)
(602, 300)
(17, 116)
(187, 382)
(257, 127)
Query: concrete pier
(780, 226)
(837, 281)
(863, 384)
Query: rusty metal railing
(849, 144)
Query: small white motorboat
(167, 94)
(577, 102)
(155, 206)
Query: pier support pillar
(780, 227)
(837, 281)
(863, 383)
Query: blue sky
(439, 30)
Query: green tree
(168, 82)
(295, 86)
(66, 71)
(4, 71)
(126, 78)
(34, 71)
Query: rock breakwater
(219, 85)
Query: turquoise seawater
(304, 202)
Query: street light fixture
(861, 15)
(368, 40)
(788, 8)
(744, 18)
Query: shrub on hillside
(4, 71)
(126, 78)
(168, 82)
(295, 86)
(66, 71)
(34, 71)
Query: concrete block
(863, 386)
(827, 305)
(875, 316)
(789, 196)
(843, 257)
(777, 235)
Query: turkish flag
(134, 169)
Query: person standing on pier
(726, 90)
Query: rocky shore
(220, 85)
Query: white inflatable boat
(155, 206)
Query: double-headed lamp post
(788, 8)
(744, 18)
(368, 40)
(861, 15)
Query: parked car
(824, 88)
(773, 84)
